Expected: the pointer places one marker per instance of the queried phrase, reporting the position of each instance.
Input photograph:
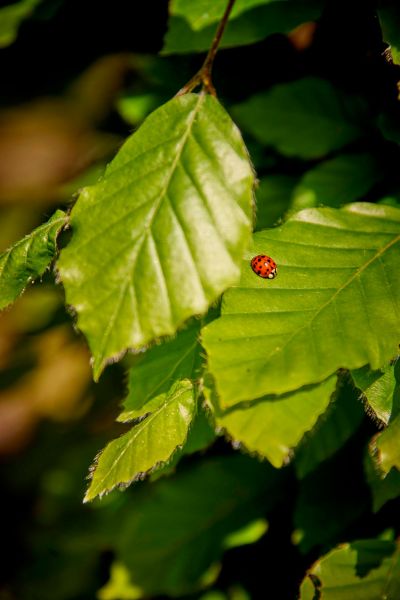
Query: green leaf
(155, 371)
(335, 303)
(331, 432)
(364, 570)
(273, 199)
(338, 181)
(247, 28)
(201, 13)
(11, 17)
(389, 17)
(308, 118)
(380, 389)
(160, 237)
(382, 490)
(272, 427)
(29, 258)
(146, 446)
(386, 447)
(182, 522)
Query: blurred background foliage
(76, 80)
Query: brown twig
(203, 76)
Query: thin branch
(203, 76)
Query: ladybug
(264, 266)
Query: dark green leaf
(382, 490)
(338, 181)
(273, 199)
(182, 522)
(160, 237)
(308, 118)
(11, 17)
(249, 27)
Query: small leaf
(29, 258)
(335, 303)
(147, 445)
(380, 389)
(272, 427)
(338, 181)
(308, 118)
(155, 371)
(182, 522)
(367, 570)
(160, 237)
(247, 28)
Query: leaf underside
(159, 238)
(335, 303)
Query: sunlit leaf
(308, 118)
(380, 389)
(272, 427)
(182, 522)
(147, 445)
(365, 570)
(335, 303)
(159, 238)
(29, 258)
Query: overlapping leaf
(382, 489)
(380, 389)
(149, 444)
(12, 16)
(364, 570)
(273, 199)
(29, 258)
(201, 13)
(308, 118)
(272, 427)
(335, 303)
(160, 237)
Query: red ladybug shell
(264, 266)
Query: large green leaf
(332, 430)
(335, 303)
(272, 427)
(338, 181)
(29, 258)
(149, 444)
(247, 28)
(380, 389)
(11, 17)
(365, 570)
(159, 238)
(155, 371)
(308, 118)
(201, 13)
(179, 525)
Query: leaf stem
(203, 76)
